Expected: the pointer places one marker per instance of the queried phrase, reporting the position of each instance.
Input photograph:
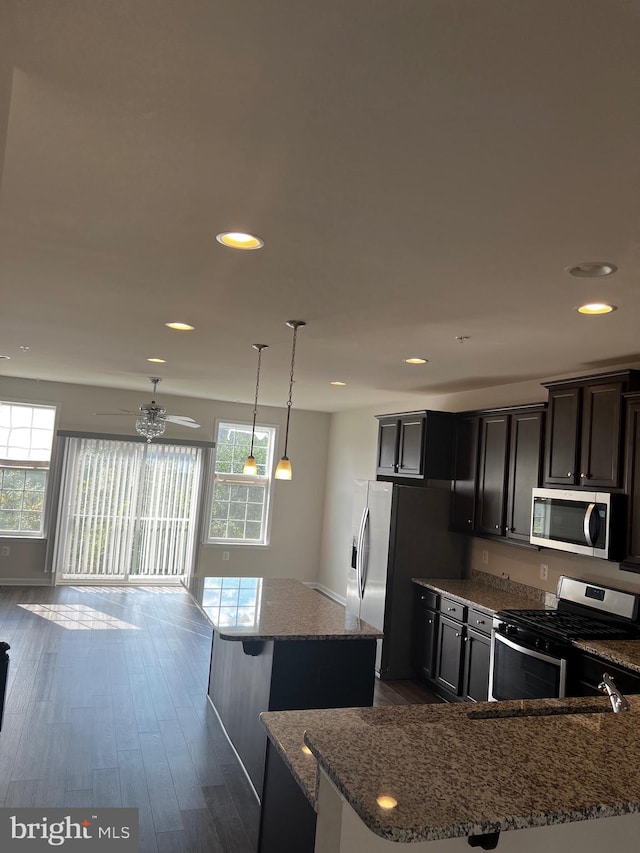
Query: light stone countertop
(478, 594)
(286, 732)
(277, 609)
(459, 770)
(625, 653)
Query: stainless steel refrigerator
(399, 532)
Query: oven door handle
(526, 651)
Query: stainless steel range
(531, 650)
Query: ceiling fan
(151, 419)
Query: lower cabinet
(476, 666)
(451, 647)
(587, 673)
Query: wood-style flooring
(106, 706)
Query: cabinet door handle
(497, 527)
(450, 609)
(479, 621)
(569, 474)
(467, 639)
(458, 635)
(423, 598)
(468, 521)
(429, 621)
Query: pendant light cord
(259, 347)
(295, 324)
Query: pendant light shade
(283, 469)
(250, 465)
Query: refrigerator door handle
(359, 551)
(364, 556)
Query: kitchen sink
(499, 713)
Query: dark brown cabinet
(587, 671)
(525, 458)
(509, 462)
(584, 431)
(449, 655)
(631, 560)
(415, 446)
(476, 666)
(425, 632)
(451, 646)
(465, 465)
(492, 474)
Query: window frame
(243, 479)
(48, 466)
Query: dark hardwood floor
(106, 706)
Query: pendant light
(283, 470)
(250, 465)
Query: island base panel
(287, 819)
(284, 675)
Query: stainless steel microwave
(574, 521)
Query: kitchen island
(534, 776)
(277, 645)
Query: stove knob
(501, 628)
(511, 630)
(539, 643)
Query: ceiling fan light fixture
(157, 360)
(239, 240)
(149, 427)
(283, 468)
(250, 464)
(416, 360)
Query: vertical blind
(129, 509)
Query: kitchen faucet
(618, 701)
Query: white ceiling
(418, 169)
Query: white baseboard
(25, 581)
(326, 591)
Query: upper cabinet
(584, 430)
(465, 467)
(497, 463)
(632, 483)
(415, 446)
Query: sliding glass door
(128, 511)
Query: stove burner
(568, 626)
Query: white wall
(352, 452)
(294, 549)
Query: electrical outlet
(485, 557)
(544, 571)
(225, 555)
(5, 551)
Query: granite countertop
(481, 595)
(486, 767)
(277, 609)
(286, 732)
(625, 653)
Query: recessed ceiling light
(239, 240)
(6, 357)
(180, 327)
(386, 802)
(592, 269)
(24, 348)
(335, 382)
(157, 360)
(416, 360)
(596, 308)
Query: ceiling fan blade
(182, 421)
(116, 414)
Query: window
(26, 436)
(240, 502)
